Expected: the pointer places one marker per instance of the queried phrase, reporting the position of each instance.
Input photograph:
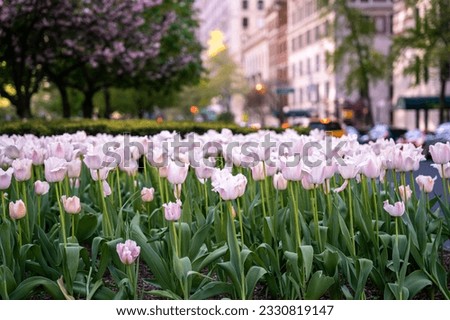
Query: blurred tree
(21, 40)
(92, 45)
(222, 80)
(429, 43)
(354, 33)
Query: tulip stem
(179, 236)
(375, 206)
(444, 186)
(295, 215)
(316, 217)
(174, 237)
(19, 227)
(108, 232)
(261, 188)
(61, 213)
(241, 227)
(350, 208)
(2, 194)
(73, 227)
(39, 210)
(27, 217)
(205, 187)
(119, 192)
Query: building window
(308, 66)
(317, 33)
(244, 4)
(245, 22)
(317, 62)
(293, 71)
(308, 37)
(300, 68)
(300, 41)
(260, 5)
(300, 95)
(327, 90)
(380, 24)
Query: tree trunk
(107, 97)
(66, 110)
(23, 106)
(88, 105)
(443, 77)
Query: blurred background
(377, 68)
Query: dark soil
(260, 293)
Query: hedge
(115, 127)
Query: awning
(298, 113)
(419, 103)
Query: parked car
(325, 124)
(382, 131)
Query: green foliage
(114, 127)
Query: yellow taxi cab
(332, 128)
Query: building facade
(310, 36)
(404, 85)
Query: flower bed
(220, 215)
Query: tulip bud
(128, 252)
(5, 178)
(147, 194)
(258, 171)
(17, 210)
(279, 182)
(426, 183)
(396, 210)
(440, 152)
(41, 187)
(71, 205)
(405, 193)
(106, 188)
(172, 211)
(22, 169)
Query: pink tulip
(172, 210)
(279, 182)
(372, 167)
(446, 172)
(342, 187)
(22, 169)
(106, 188)
(101, 174)
(228, 186)
(440, 152)
(55, 169)
(37, 156)
(128, 252)
(41, 187)
(93, 161)
(5, 178)
(71, 205)
(405, 193)
(74, 168)
(17, 210)
(147, 194)
(203, 171)
(177, 172)
(259, 171)
(396, 210)
(163, 172)
(349, 170)
(426, 183)
(291, 169)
